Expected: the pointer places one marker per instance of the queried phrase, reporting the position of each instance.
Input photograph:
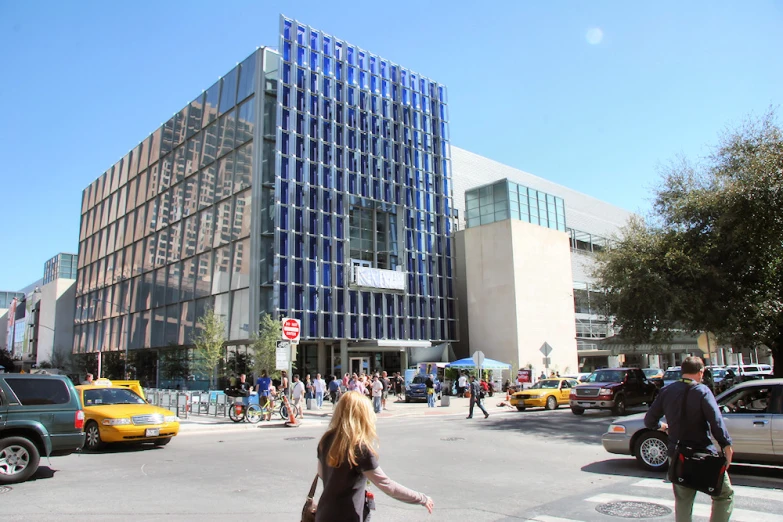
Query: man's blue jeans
(319, 399)
(377, 404)
(431, 400)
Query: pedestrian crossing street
(751, 504)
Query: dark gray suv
(40, 415)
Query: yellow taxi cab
(117, 412)
(546, 393)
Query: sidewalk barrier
(292, 422)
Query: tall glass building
(313, 183)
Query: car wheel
(19, 459)
(162, 441)
(577, 411)
(619, 406)
(551, 403)
(520, 408)
(652, 451)
(92, 436)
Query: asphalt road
(543, 466)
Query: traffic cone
(292, 422)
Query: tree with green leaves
(709, 258)
(265, 343)
(209, 343)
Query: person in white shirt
(319, 385)
(298, 395)
(377, 393)
(462, 383)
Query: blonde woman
(347, 459)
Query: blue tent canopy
(489, 364)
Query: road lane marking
(699, 510)
(547, 518)
(739, 491)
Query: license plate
(585, 403)
(152, 432)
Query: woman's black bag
(696, 467)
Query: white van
(751, 370)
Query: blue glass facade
(363, 197)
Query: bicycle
(239, 411)
(257, 412)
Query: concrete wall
(519, 294)
(55, 326)
(3, 328)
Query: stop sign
(291, 329)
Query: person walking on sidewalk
(320, 387)
(377, 393)
(347, 459)
(334, 389)
(701, 418)
(298, 395)
(476, 395)
(429, 384)
(284, 384)
(386, 385)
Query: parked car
(673, 374)
(752, 411)
(655, 376)
(546, 393)
(751, 370)
(581, 377)
(118, 414)
(40, 415)
(417, 390)
(613, 388)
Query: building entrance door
(359, 365)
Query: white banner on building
(377, 278)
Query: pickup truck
(40, 415)
(613, 389)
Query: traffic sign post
(478, 360)
(282, 352)
(291, 329)
(546, 349)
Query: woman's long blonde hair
(353, 428)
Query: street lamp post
(127, 335)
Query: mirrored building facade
(314, 183)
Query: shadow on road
(741, 474)
(122, 448)
(43, 472)
(557, 425)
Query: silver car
(753, 412)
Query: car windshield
(606, 376)
(105, 396)
(672, 375)
(545, 384)
(651, 372)
(419, 379)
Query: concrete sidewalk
(396, 408)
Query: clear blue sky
(84, 82)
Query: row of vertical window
(224, 269)
(219, 99)
(172, 170)
(226, 221)
(175, 324)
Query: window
(753, 400)
(39, 392)
(373, 238)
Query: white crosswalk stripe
(547, 518)
(699, 509)
(739, 491)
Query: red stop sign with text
(291, 329)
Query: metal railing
(187, 403)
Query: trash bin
(309, 404)
(445, 400)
